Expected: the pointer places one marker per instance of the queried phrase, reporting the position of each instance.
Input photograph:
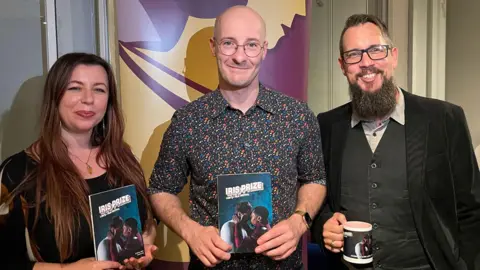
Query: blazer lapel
(338, 138)
(416, 132)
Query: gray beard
(374, 105)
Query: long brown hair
(57, 181)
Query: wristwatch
(306, 217)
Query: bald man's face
(239, 27)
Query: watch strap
(303, 214)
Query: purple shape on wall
(132, 46)
(167, 17)
(169, 97)
(286, 66)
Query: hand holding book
(282, 239)
(206, 243)
(92, 263)
(134, 263)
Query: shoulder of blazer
(326, 120)
(330, 117)
(434, 108)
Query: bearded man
(401, 162)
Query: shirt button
(374, 165)
(374, 185)
(375, 226)
(374, 205)
(374, 134)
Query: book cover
(117, 228)
(244, 209)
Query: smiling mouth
(370, 77)
(238, 68)
(85, 114)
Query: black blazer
(442, 174)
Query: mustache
(369, 70)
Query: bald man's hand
(282, 240)
(207, 244)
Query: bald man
(242, 127)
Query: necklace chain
(89, 168)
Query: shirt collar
(218, 104)
(265, 100)
(398, 113)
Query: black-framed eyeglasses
(229, 47)
(375, 52)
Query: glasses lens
(228, 47)
(252, 49)
(352, 57)
(378, 52)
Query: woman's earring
(103, 127)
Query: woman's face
(85, 100)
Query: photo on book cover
(244, 209)
(117, 229)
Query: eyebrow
(248, 39)
(79, 82)
(357, 49)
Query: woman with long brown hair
(45, 215)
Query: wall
(463, 59)
(398, 27)
(21, 74)
(74, 33)
(24, 62)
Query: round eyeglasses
(375, 52)
(229, 47)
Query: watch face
(308, 219)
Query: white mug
(357, 245)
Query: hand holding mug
(333, 232)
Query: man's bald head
(239, 16)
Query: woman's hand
(142, 262)
(91, 263)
